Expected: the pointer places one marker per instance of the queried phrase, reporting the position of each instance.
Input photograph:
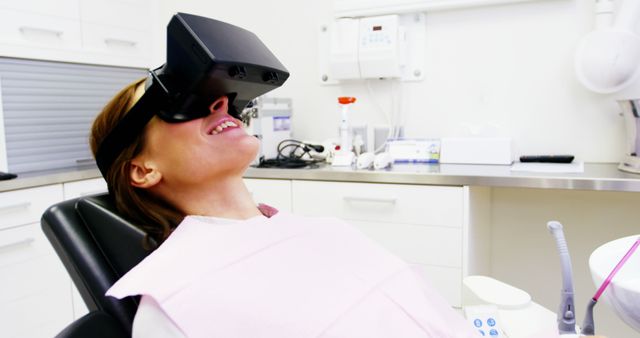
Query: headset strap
(154, 98)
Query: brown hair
(149, 212)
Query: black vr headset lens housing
(206, 59)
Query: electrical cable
(293, 158)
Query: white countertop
(596, 176)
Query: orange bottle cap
(346, 99)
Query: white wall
(512, 66)
(505, 70)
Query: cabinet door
(38, 31)
(421, 224)
(118, 32)
(118, 46)
(276, 193)
(35, 300)
(448, 281)
(421, 244)
(133, 15)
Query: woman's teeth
(223, 126)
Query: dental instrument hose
(588, 327)
(566, 314)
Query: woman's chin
(244, 152)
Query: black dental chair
(97, 247)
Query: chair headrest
(97, 247)
(120, 241)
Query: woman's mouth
(221, 126)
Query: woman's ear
(144, 174)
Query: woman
(228, 268)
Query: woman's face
(193, 152)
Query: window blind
(49, 108)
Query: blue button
(491, 322)
(493, 332)
(477, 322)
(482, 332)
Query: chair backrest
(97, 247)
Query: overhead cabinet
(118, 33)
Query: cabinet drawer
(20, 207)
(41, 315)
(31, 276)
(115, 41)
(35, 297)
(428, 205)
(84, 188)
(17, 244)
(36, 30)
(23, 243)
(441, 246)
(123, 14)
(60, 8)
(39, 306)
(447, 281)
(276, 193)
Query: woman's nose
(220, 105)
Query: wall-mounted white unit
(389, 46)
(359, 8)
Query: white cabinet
(118, 33)
(275, 193)
(84, 188)
(35, 299)
(121, 31)
(35, 30)
(428, 226)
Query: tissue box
(476, 150)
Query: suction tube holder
(566, 312)
(206, 59)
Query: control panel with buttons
(484, 318)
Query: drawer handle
(391, 200)
(11, 207)
(85, 161)
(41, 31)
(120, 42)
(20, 242)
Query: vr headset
(206, 59)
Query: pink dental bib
(286, 277)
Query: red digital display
(377, 28)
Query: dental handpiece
(566, 313)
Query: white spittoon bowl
(623, 294)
